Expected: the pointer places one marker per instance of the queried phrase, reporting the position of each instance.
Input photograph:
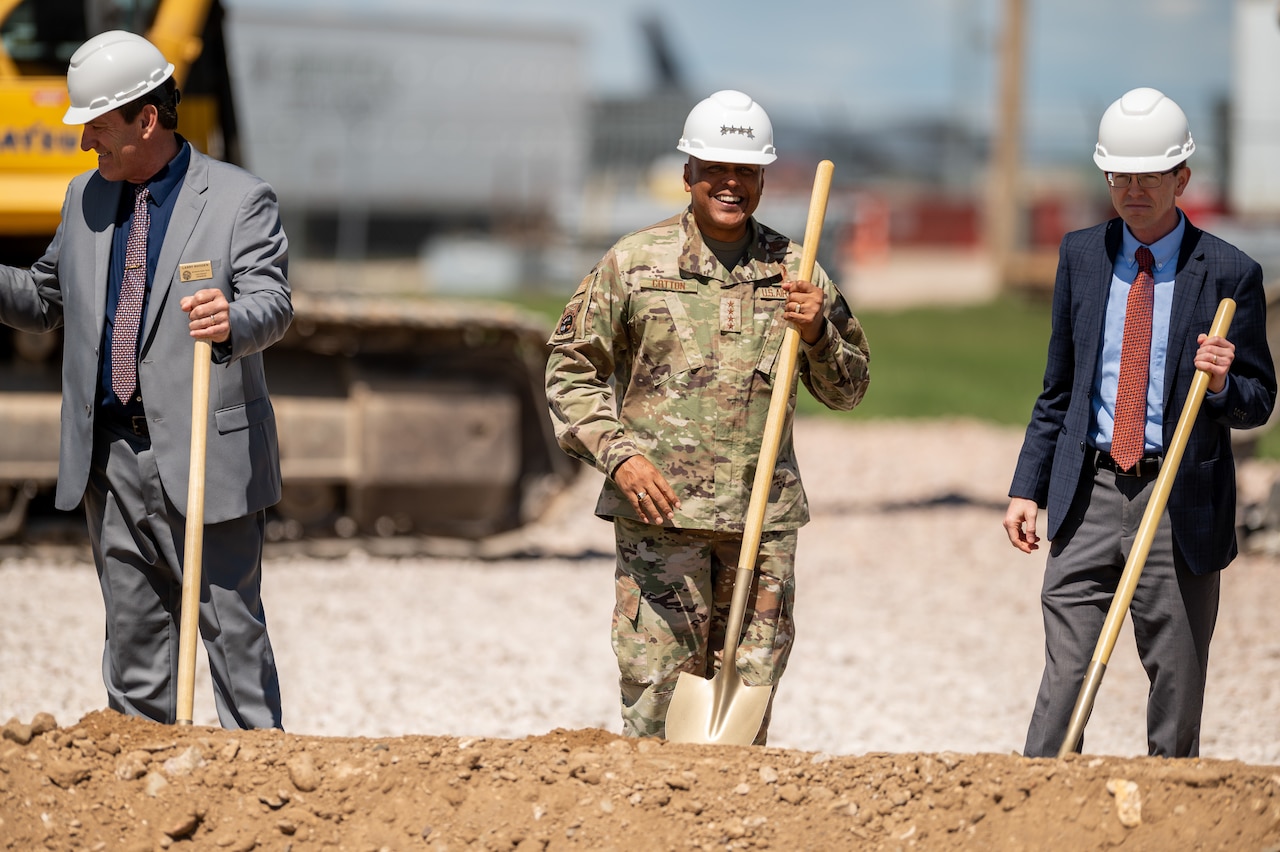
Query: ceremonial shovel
(1142, 543)
(193, 546)
(723, 709)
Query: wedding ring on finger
(1215, 360)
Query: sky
(861, 63)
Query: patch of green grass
(546, 304)
(981, 361)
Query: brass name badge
(676, 286)
(770, 293)
(201, 271)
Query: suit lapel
(186, 214)
(1096, 317)
(106, 199)
(1187, 283)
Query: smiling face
(724, 196)
(130, 150)
(116, 142)
(1151, 213)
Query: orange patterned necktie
(1127, 437)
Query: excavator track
(397, 417)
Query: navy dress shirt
(164, 188)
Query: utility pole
(1003, 200)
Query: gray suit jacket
(223, 216)
(1203, 496)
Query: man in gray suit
(158, 247)
(1092, 450)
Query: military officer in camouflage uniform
(660, 377)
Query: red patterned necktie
(1127, 437)
(124, 333)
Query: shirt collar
(168, 178)
(1164, 250)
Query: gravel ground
(918, 625)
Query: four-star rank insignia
(731, 315)
(731, 130)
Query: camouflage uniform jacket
(665, 353)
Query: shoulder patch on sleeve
(567, 327)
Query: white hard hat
(729, 127)
(110, 70)
(1143, 131)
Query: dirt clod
(17, 732)
(303, 773)
(1128, 801)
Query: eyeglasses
(1147, 180)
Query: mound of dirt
(114, 783)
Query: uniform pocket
(766, 643)
(771, 349)
(629, 642)
(650, 641)
(771, 624)
(668, 345)
(627, 594)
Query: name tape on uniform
(675, 285)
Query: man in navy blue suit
(1094, 501)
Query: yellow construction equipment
(396, 416)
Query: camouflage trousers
(674, 588)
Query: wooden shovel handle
(193, 546)
(779, 400)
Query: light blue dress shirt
(1106, 378)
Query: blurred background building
(505, 147)
(480, 146)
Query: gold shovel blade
(721, 710)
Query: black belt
(135, 425)
(1148, 465)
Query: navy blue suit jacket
(1202, 500)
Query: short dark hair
(164, 98)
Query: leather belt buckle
(1145, 467)
(138, 426)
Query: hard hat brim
(728, 155)
(84, 115)
(1138, 165)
